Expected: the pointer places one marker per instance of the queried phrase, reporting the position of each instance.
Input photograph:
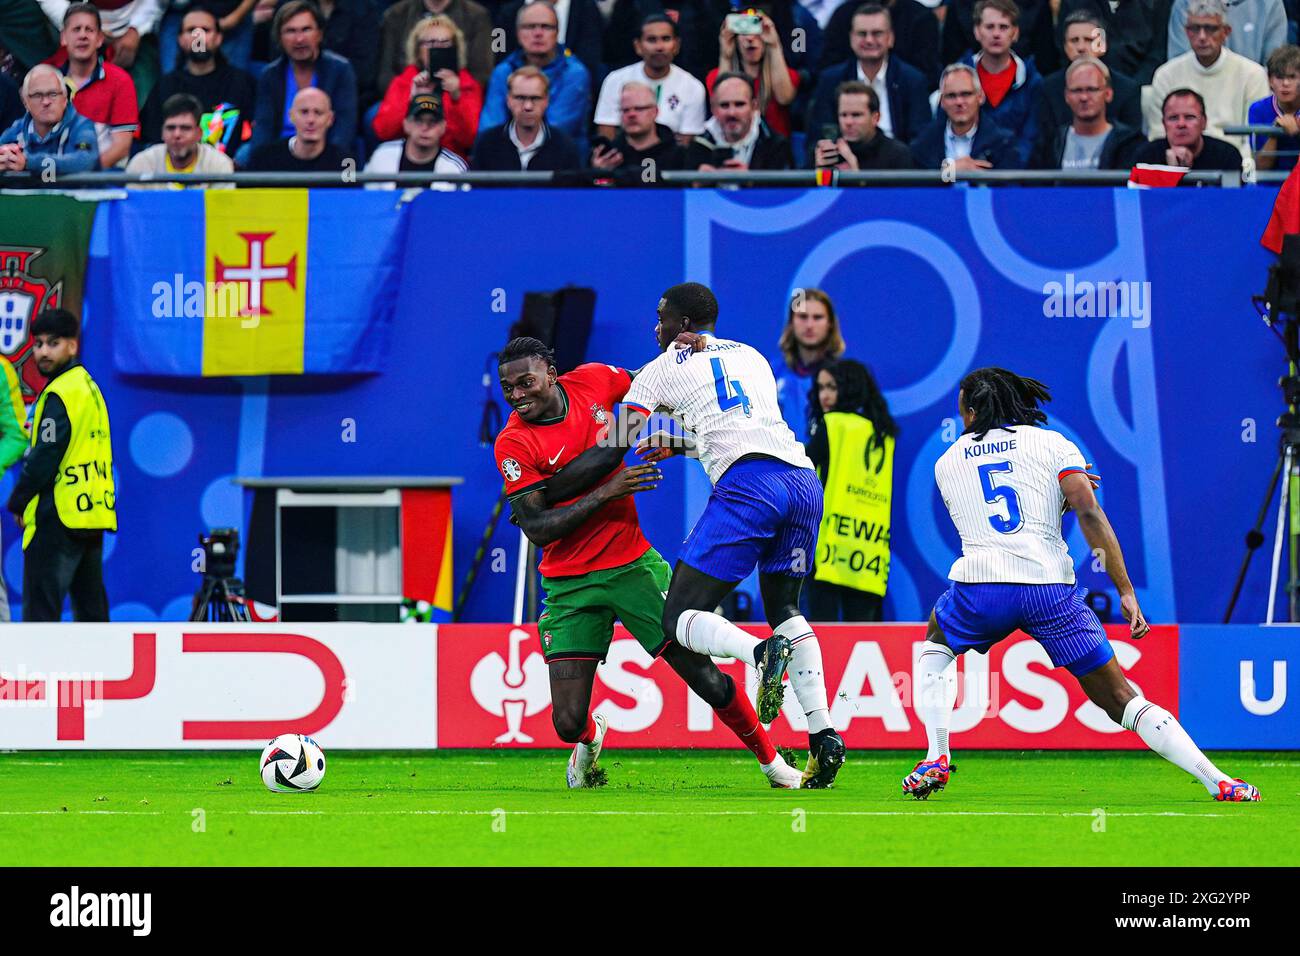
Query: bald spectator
(736, 137)
(299, 27)
(309, 149)
(964, 134)
(52, 134)
(103, 91)
(1185, 143)
(182, 149)
(581, 29)
(1227, 82)
(1085, 36)
(1257, 28)
(1136, 33)
(528, 141)
(1090, 140)
(643, 145)
(681, 98)
(400, 19)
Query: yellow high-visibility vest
(85, 496)
(853, 543)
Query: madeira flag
(254, 281)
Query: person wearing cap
(422, 150)
(308, 150)
(65, 497)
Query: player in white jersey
(1007, 482)
(764, 511)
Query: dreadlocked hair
(858, 393)
(1001, 398)
(525, 347)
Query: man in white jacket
(421, 151)
(1228, 82)
(182, 149)
(1258, 28)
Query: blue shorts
(762, 513)
(977, 616)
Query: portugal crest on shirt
(599, 414)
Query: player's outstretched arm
(543, 524)
(1094, 524)
(593, 465)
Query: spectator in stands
(694, 20)
(103, 92)
(900, 89)
(861, 143)
(234, 17)
(1255, 28)
(1089, 140)
(226, 92)
(1185, 143)
(400, 19)
(568, 82)
(52, 134)
(422, 150)
(810, 338)
(965, 134)
(1282, 109)
(736, 136)
(1085, 36)
(760, 58)
(299, 28)
(1035, 38)
(310, 149)
(580, 29)
(11, 102)
(182, 149)
(1012, 86)
(434, 41)
(528, 141)
(680, 97)
(129, 27)
(1227, 82)
(643, 146)
(916, 37)
(1135, 34)
(349, 31)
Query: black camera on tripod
(220, 552)
(221, 595)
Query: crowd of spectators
(638, 86)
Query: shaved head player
(596, 564)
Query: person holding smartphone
(436, 55)
(749, 45)
(856, 141)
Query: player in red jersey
(597, 565)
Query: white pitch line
(98, 813)
(708, 813)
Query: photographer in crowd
(860, 143)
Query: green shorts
(577, 620)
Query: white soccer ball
(292, 762)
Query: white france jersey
(726, 396)
(1003, 493)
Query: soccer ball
(292, 762)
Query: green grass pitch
(491, 808)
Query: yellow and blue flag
(254, 281)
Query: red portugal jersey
(529, 453)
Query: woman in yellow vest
(852, 445)
(65, 498)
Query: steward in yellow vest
(852, 445)
(65, 498)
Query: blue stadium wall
(928, 283)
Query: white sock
(936, 693)
(714, 636)
(806, 672)
(1161, 732)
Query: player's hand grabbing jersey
(726, 396)
(1004, 495)
(527, 454)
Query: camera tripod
(220, 599)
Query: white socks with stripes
(935, 695)
(1161, 732)
(806, 672)
(714, 636)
